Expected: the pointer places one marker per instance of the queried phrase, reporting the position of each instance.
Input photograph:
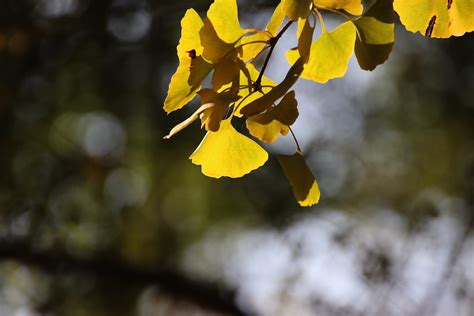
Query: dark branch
(206, 295)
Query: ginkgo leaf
(250, 51)
(227, 153)
(296, 9)
(266, 101)
(276, 120)
(329, 55)
(214, 48)
(305, 37)
(223, 14)
(211, 117)
(253, 45)
(225, 71)
(436, 18)
(305, 188)
(276, 20)
(353, 7)
(192, 69)
(376, 35)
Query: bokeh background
(100, 216)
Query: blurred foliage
(85, 175)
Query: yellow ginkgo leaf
(211, 117)
(376, 35)
(276, 120)
(214, 48)
(223, 14)
(353, 7)
(305, 188)
(329, 54)
(227, 153)
(192, 69)
(296, 9)
(266, 101)
(276, 20)
(225, 71)
(305, 37)
(436, 18)
(250, 51)
(253, 45)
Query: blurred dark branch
(207, 295)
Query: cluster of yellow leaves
(220, 48)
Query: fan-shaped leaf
(436, 18)
(227, 153)
(353, 7)
(305, 188)
(192, 69)
(376, 35)
(329, 55)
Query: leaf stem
(273, 42)
(296, 141)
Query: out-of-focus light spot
(56, 8)
(125, 188)
(130, 27)
(101, 135)
(62, 134)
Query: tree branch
(207, 295)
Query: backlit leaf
(296, 9)
(211, 117)
(225, 71)
(276, 20)
(436, 18)
(268, 125)
(305, 37)
(329, 55)
(353, 7)
(376, 35)
(192, 69)
(305, 188)
(227, 153)
(214, 48)
(223, 14)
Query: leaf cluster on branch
(219, 47)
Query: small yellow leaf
(225, 71)
(376, 35)
(214, 48)
(436, 18)
(353, 7)
(305, 37)
(276, 20)
(227, 153)
(296, 9)
(192, 69)
(305, 188)
(211, 117)
(268, 125)
(250, 51)
(329, 55)
(224, 16)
